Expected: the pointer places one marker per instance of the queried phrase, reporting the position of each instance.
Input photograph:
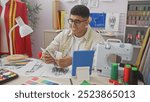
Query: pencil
(71, 81)
(47, 52)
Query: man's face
(78, 25)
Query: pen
(71, 81)
(45, 51)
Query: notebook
(82, 58)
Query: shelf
(137, 26)
(53, 31)
(137, 46)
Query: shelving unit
(138, 20)
(135, 26)
(136, 46)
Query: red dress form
(15, 8)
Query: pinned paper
(112, 21)
(98, 19)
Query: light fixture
(24, 30)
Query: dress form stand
(4, 45)
(20, 45)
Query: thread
(114, 71)
(39, 54)
(126, 73)
(133, 76)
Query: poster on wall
(98, 20)
(94, 3)
(112, 21)
(68, 0)
(105, 0)
(84, 2)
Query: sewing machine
(104, 52)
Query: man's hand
(64, 62)
(47, 58)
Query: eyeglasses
(76, 22)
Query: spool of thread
(126, 73)
(133, 76)
(114, 71)
(39, 54)
(120, 81)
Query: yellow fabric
(14, 17)
(139, 58)
(144, 57)
(10, 14)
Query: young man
(80, 36)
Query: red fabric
(22, 45)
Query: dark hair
(80, 10)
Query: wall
(113, 6)
(45, 19)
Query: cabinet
(138, 20)
(49, 36)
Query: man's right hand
(47, 58)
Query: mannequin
(9, 10)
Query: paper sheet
(94, 3)
(38, 68)
(112, 21)
(105, 0)
(33, 68)
(84, 2)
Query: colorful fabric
(145, 41)
(144, 56)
